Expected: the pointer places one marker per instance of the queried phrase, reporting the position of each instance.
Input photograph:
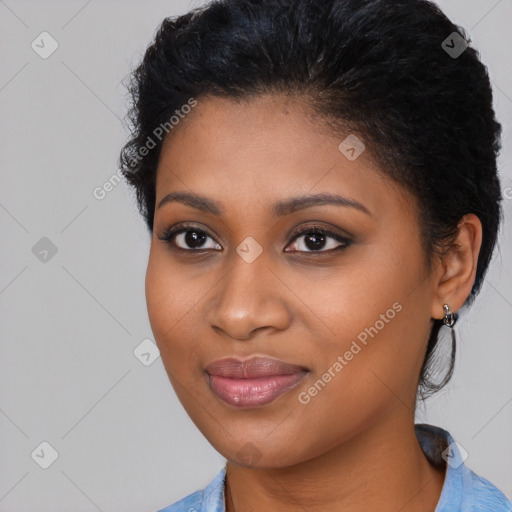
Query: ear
(456, 268)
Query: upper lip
(252, 368)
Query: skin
(352, 447)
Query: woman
(320, 182)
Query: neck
(382, 468)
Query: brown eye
(318, 240)
(190, 239)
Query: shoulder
(210, 499)
(463, 489)
(483, 496)
(191, 503)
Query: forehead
(262, 150)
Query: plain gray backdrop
(72, 276)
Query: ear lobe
(457, 266)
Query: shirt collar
(457, 489)
(213, 498)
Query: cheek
(379, 321)
(362, 381)
(170, 303)
(160, 298)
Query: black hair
(397, 73)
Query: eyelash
(169, 235)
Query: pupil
(193, 237)
(317, 240)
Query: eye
(317, 239)
(189, 238)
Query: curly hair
(379, 68)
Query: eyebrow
(279, 209)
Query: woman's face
(342, 318)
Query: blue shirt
(463, 490)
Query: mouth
(252, 382)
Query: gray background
(68, 374)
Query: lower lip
(253, 392)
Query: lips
(252, 382)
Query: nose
(249, 298)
